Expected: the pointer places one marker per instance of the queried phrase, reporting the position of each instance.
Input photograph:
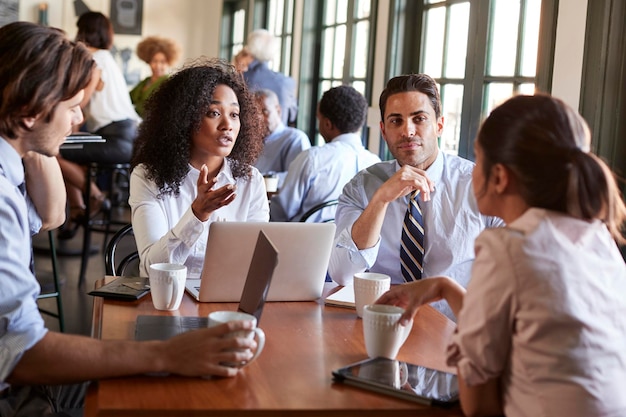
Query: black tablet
(403, 380)
(124, 289)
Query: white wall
(568, 54)
(194, 24)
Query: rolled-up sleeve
(21, 325)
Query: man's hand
(406, 180)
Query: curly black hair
(174, 112)
(345, 107)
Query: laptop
(299, 276)
(259, 277)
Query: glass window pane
(239, 22)
(361, 45)
(452, 103)
(280, 10)
(339, 51)
(527, 88)
(503, 40)
(530, 38)
(329, 16)
(342, 11)
(327, 51)
(433, 42)
(359, 86)
(433, 1)
(457, 40)
(363, 9)
(496, 94)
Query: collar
(11, 163)
(224, 175)
(352, 139)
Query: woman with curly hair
(161, 54)
(192, 164)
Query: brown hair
(545, 144)
(176, 110)
(152, 45)
(39, 68)
(95, 29)
(413, 82)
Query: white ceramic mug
(219, 317)
(368, 286)
(382, 332)
(271, 183)
(167, 285)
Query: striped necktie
(412, 242)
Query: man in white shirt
(281, 144)
(319, 173)
(372, 207)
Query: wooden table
(305, 342)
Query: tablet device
(403, 380)
(124, 289)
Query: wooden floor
(77, 305)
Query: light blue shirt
(451, 218)
(280, 148)
(21, 325)
(319, 174)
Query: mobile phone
(403, 380)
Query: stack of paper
(342, 298)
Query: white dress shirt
(112, 103)
(166, 230)
(318, 175)
(451, 218)
(545, 311)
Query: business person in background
(161, 54)
(42, 80)
(108, 112)
(373, 205)
(542, 326)
(262, 46)
(319, 173)
(193, 164)
(281, 143)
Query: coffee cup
(167, 285)
(382, 331)
(271, 183)
(220, 317)
(368, 287)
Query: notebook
(299, 276)
(259, 277)
(344, 297)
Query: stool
(116, 189)
(57, 287)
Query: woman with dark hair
(108, 112)
(542, 327)
(192, 164)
